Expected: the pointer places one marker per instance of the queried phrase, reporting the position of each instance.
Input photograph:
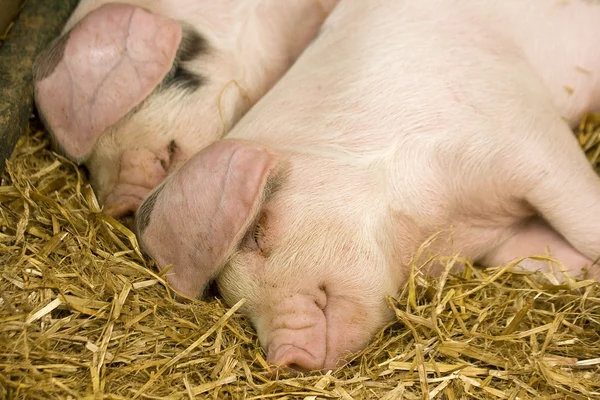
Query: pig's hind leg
(536, 237)
(562, 187)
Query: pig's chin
(124, 200)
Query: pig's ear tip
(78, 158)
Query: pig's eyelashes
(250, 241)
(261, 231)
(256, 235)
(254, 239)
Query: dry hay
(83, 315)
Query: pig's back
(379, 71)
(413, 102)
(385, 72)
(556, 37)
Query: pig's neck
(274, 35)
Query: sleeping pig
(405, 122)
(134, 89)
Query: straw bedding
(84, 315)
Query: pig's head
(313, 268)
(133, 92)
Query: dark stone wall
(37, 24)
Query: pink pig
(402, 122)
(134, 89)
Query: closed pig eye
(172, 149)
(255, 237)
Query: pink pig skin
(160, 80)
(405, 121)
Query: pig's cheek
(239, 279)
(348, 331)
(251, 264)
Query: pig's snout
(316, 332)
(141, 170)
(298, 334)
(296, 358)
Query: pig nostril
(294, 358)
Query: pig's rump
(404, 123)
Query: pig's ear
(95, 74)
(199, 214)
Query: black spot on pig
(193, 46)
(142, 218)
(186, 80)
(46, 61)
